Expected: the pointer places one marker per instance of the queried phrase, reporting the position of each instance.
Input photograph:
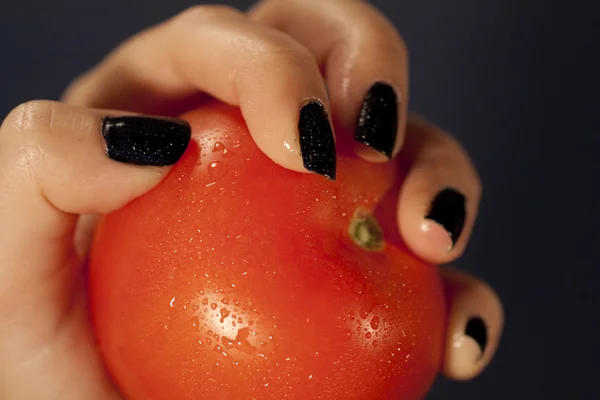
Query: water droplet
(346, 334)
(218, 147)
(205, 301)
(375, 343)
(365, 310)
(213, 306)
(368, 335)
(358, 288)
(171, 302)
(240, 342)
(375, 323)
(224, 314)
(217, 170)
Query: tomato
(238, 279)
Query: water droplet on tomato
(358, 288)
(205, 301)
(375, 323)
(214, 306)
(365, 311)
(217, 170)
(218, 146)
(224, 314)
(240, 342)
(375, 343)
(368, 335)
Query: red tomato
(238, 279)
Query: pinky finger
(475, 324)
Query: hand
(56, 173)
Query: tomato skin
(237, 279)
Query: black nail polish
(377, 125)
(316, 140)
(478, 331)
(448, 210)
(141, 140)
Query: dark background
(515, 80)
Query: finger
(273, 79)
(365, 62)
(58, 161)
(440, 196)
(475, 324)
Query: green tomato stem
(365, 231)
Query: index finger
(274, 80)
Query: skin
(55, 177)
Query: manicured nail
(477, 329)
(377, 125)
(448, 210)
(316, 140)
(145, 140)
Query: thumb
(56, 162)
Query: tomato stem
(365, 231)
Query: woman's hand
(296, 69)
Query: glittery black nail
(145, 140)
(448, 210)
(316, 140)
(377, 125)
(478, 331)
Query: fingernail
(145, 140)
(448, 210)
(377, 125)
(477, 329)
(316, 140)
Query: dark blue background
(515, 80)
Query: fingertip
(317, 142)
(475, 325)
(302, 140)
(434, 227)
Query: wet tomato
(238, 279)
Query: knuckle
(202, 13)
(19, 134)
(30, 116)
(281, 54)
